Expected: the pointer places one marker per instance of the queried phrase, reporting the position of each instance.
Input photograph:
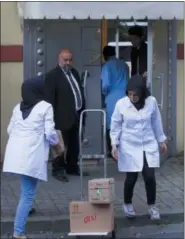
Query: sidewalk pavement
(172, 231)
(53, 197)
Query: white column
(117, 42)
(149, 55)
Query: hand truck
(96, 156)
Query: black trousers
(150, 184)
(69, 162)
(109, 148)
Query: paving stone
(6, 212)
(54, 196)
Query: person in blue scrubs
(114, 78)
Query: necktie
(138, 64)
(76, 91)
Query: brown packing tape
(101, 186)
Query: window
(124, 45)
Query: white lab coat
(136, 132)
(27, 150)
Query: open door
(160, 65)
(121, 40)
(159, 68)
(158, 73)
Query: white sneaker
(19, 237)
(129, 210)
(154, 213)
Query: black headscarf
(32, 92)
(138, 84)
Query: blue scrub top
(114, 77)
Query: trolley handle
(80, 145)
(85, 75)
(81, 126)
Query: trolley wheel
(114, 234)
(114, 231)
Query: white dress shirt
(74, 93)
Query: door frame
(172, 78)
(104, 28)
(172, 71)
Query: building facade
(13, 70)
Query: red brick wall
(180, 51)
(11, 53)
(14, 53)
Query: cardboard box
(61, 142)
(101, 191)
(87, 217)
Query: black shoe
(77, 173)
(31, 212)
(20, 237)
(60, 176)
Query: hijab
(32, 92)
(137, 84)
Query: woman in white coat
(31, 132)
(136, 131)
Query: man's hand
(114, 152)
(145, 74)
(163, 147)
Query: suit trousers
(69, 161)
(109, 147)
(150, 184)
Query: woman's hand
(114, 152)
(145, 74)
(163, 147)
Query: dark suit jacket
(140, 53)
(58, 92)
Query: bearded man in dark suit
(63, 89)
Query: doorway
(43, 40)
(159, 66)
